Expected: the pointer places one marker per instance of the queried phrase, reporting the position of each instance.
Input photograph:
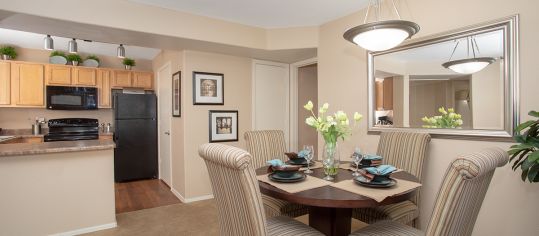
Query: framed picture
(223, 126)
(208, 88)
(176, 94)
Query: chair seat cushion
(388, 228)
(282, 225)
(277, 207)
(402, 212)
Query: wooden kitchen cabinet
(143, 80)
(5, 83)
(122, 78)
(104, 88)
(384, 94)
(27, 84)
(58, 75)
(84, 76)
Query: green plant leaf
(520, 139)
(533, 113)
(520, 159)
(524, 175)
(526, 164)
(532, 173)
(534, 156)
(524, 125)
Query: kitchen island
(62, 187)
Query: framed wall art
(208, 88)
(223, 126)
(176, 94)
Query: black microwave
(71, 98)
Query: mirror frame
(511, 80)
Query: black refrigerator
(135, 135)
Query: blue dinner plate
(296, 177)
(303, 162)
(375, 184)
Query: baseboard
(88, 229)
(193, 199)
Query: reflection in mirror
(459, 82)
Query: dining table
(330, 208)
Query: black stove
(72, 129)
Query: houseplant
(58, 57)
(91, 61)
(128, 63)
(447, 120)
(332, 127)
(526, 153)
(8, 52)
(74, 59)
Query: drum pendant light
(381, 35)
(48, 43)
(72, 46)
(120, 51)
(468, 65)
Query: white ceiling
(265, 13)
(35, 41)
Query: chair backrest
(265, 145)
(235, 189)
(462, 192)
(405, 150)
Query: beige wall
(510, 206)
(23, 118)
(56, 193)
(307, 91)
(177, 134)
(487, 97)
(237, 96)
(42, 56)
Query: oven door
(71, 98)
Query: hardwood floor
(143, 194)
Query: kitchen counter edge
(20, 149)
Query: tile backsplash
(23, 118)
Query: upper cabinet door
(84, 76)
(121, 78)
(58, 75)
(5, 83)
(143, 80)
(103, 88)
(28, 84)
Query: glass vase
(331, 160)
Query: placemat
(378, 194)
(309, 183)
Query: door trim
(253, 96)
(167, 64)
(294, 67)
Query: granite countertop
(23, 133)
(54, 147)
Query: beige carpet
(198, 218)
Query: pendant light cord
(454, 49)
(378, 5)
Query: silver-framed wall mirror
(457, 84)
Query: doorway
(307, 90)
(164, 78)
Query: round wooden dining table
(330, 209)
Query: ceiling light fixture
(48, 43)
(381, 35)
(468, 65)
(72, 46)
(120, 51)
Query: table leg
(331, 221)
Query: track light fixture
(72, 46)
(120, 51)
(48, 43)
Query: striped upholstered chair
(459, 199)
(238, 197)
(407, 151)
(264, 145)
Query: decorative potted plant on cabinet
(8, 53)
(526, 153)
(58, 57)
(128, 63)
(91, 61)
(74, 59)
